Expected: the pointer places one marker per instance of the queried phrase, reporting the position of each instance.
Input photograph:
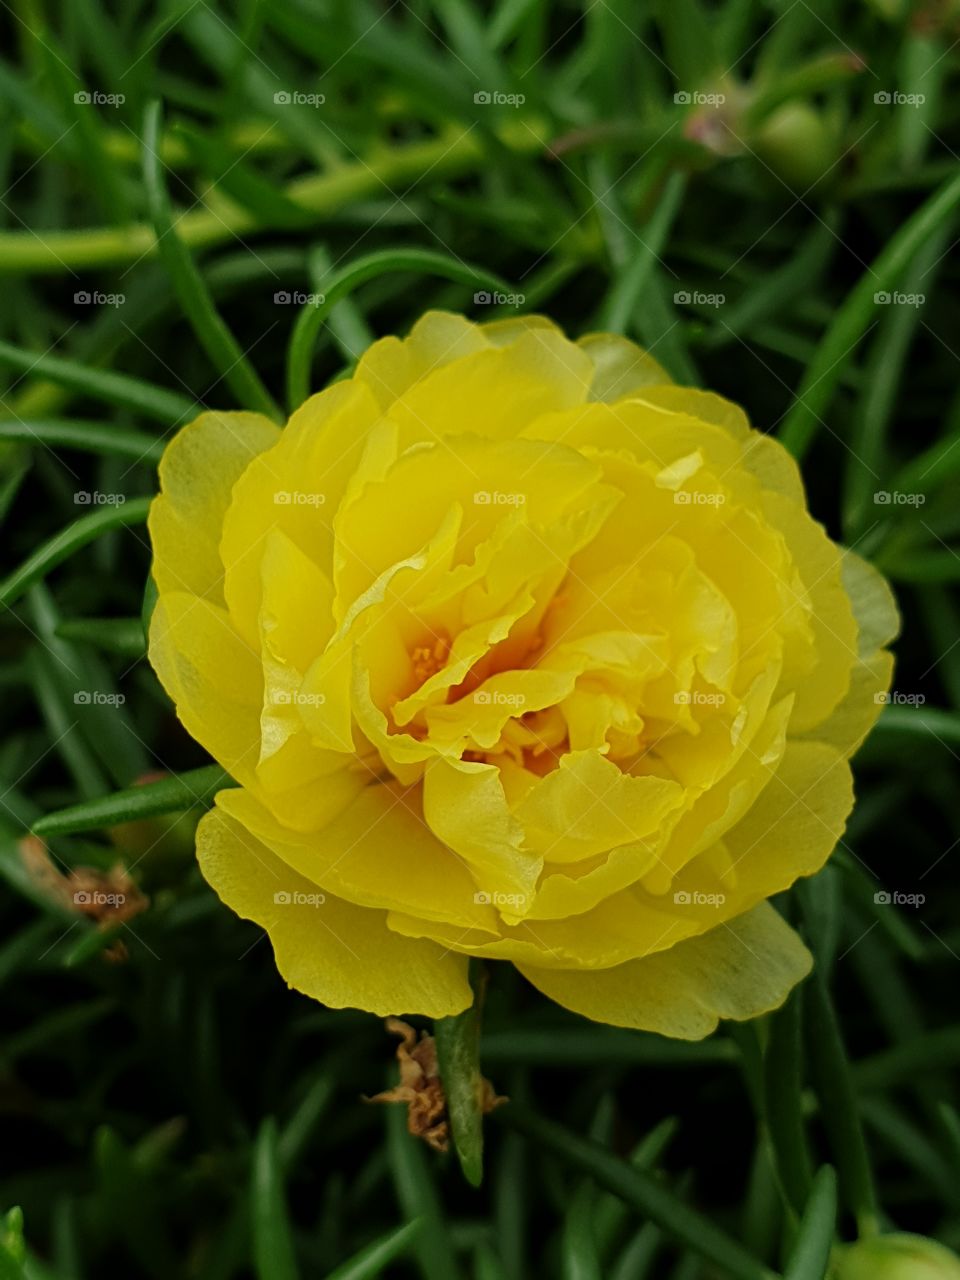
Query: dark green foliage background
(180, 1113)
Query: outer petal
(738, 970)
(788, 832)
(337, 953)
(198, 470)
(376, 853)
(495, 392)
(878, 622)
(620, 367)
(213, 678)
(392, 365)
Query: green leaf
(123, 636)
(215, 338)
(930, 723)
(116, 388)
(71, 539)
(783, 1107)
(273, 1251)
(458, 1056)
(856, 315)
(196, 788)
(344, 281)
(374, 1258)
(839, 1104)
(418, 1199)
(91, 437)
(867, 465)
(629, 285)
(642, 1190)
(810, 1255)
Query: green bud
(797, 143)
(896, 1257)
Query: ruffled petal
(197, 473)
(377, 852)
(212, 677)
(739, 970)
(340, 954)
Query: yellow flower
(516, 650)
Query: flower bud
(896, 1257)
(798, 144)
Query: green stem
(455, 152)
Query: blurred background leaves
(765, 194)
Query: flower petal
(213, 678)
(331, 950)
(738, 970)
(197, 473)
